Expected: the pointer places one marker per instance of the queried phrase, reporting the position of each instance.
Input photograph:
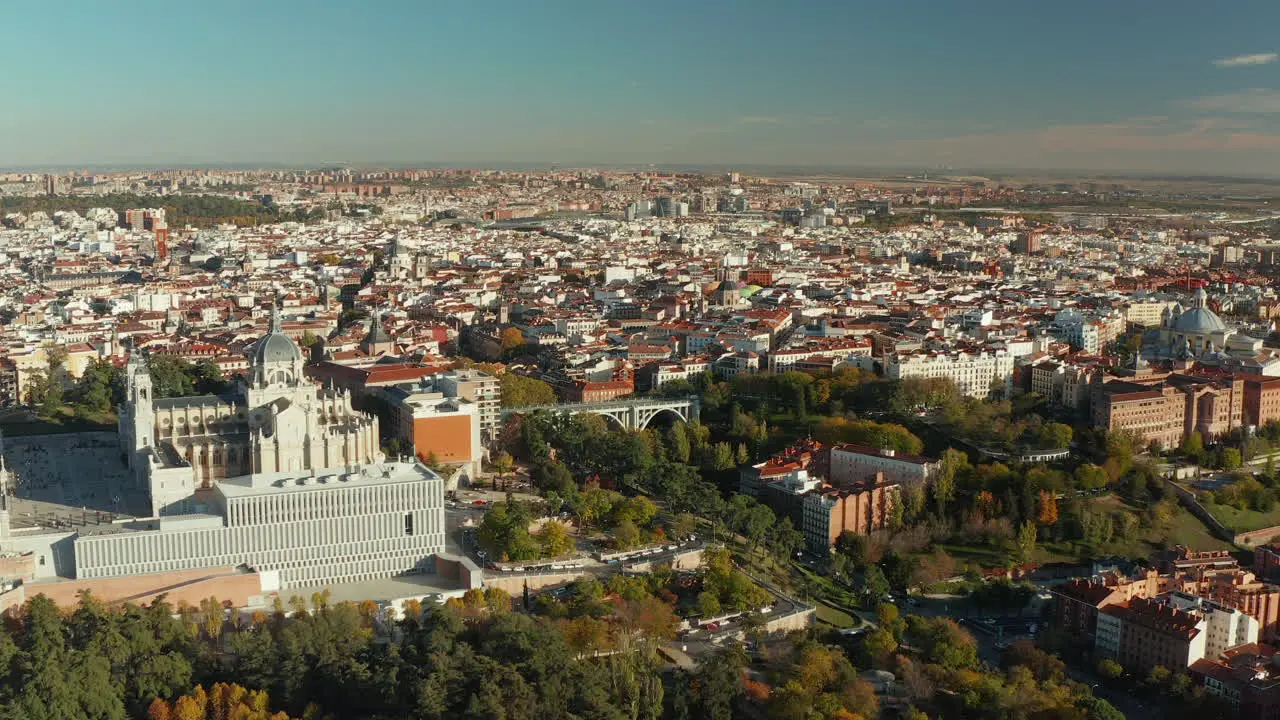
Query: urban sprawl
(1048, 411)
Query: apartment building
(437, 427)
(977, 374)
(1142, 634)
(843, 350)
(860, 508)
(480, 388)
(850, 464)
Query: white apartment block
(851, 463)
(976, 374)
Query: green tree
(874, 586)
(878, 646)
(1231, 458)
(555, 539)
(522, 391)
(678, 446)
(1091, 477)
(943, 483)
(554, 477)
(626, 534)
(1025, 543)
(1095, 708)
(1193, 445)
(683, 525)
(1109, 669)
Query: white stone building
(281, 478)
(976, 374)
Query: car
(477, 502)
(712, 627)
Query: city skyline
(1091, 87)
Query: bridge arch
(648, 416)
(613, 421)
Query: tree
(708, 604)
(512, 339)
(1054, 436)
(555, 539)
(522, 391)
(626, 535)
(1095, 708)
(1193, 446)
(555, 477)
(1091, 477)
(678, 445)
(1230, 458)
(854, 546)
(874, 586)
(878, 646)
(1109, 669)
(502, 464)
(943, 483)
(888, 618)
(683, 525)
(1048, 504)
(1025, 543)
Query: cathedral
(1198, 334)
(275, 421)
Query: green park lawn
(1244, 520)
(834, 617)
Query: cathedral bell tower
(137, 424)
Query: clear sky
(1144, 85)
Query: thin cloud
(1253, 100)
(759, 120)
(1246, 60)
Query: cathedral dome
(1199, 320)
(276, 347)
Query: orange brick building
(1261, 399)
(860, 508)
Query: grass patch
(837, 618)
(1243, 520)
(16, 425)
(1188, 530)
(1185, 529)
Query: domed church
(275, 422)
(1197, 334)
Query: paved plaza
(75, 481)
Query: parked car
(712, 627)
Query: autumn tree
(1048, 514)
(511, 339)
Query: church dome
(275, 346)
(1199, 320)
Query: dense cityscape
(714, 443)
(726, 360)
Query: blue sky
(1145, 85)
